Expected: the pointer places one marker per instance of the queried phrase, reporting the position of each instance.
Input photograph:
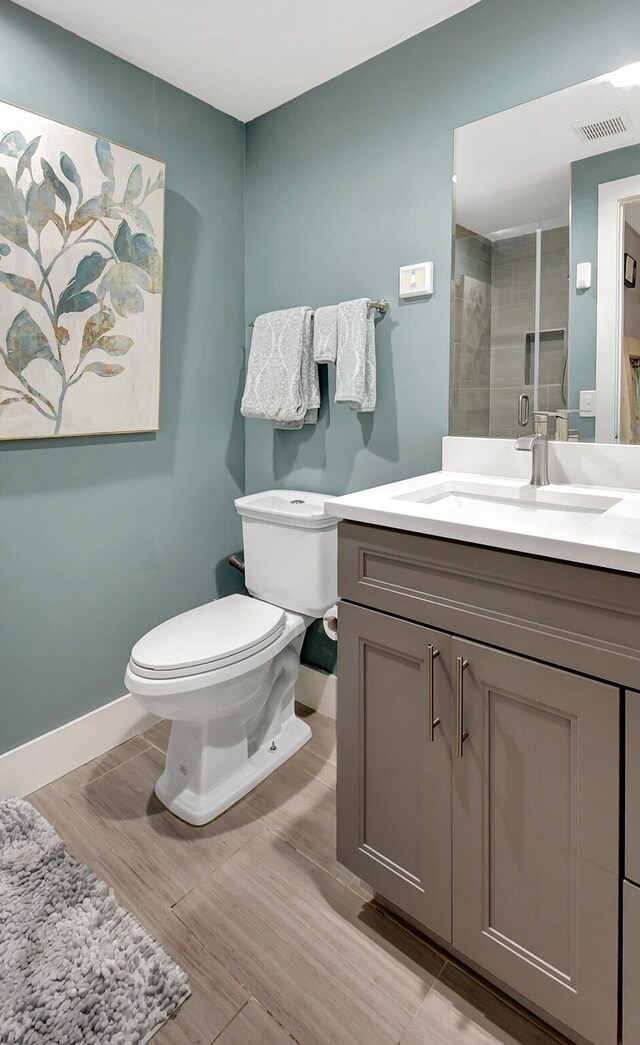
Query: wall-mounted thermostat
(416, 280)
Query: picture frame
(81, 267)
(630, 271)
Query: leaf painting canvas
(81, 244)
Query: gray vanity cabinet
(499, 834)
(394, 830)
(535, 834)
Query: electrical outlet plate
(416, 280)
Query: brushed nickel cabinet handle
(432, 722)
(461, 733)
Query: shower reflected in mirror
(539, 189)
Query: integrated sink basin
(469, 501)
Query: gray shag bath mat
(75, 968)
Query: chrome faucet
(538, 445)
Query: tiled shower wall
(470, 361)
(493, 311)
(513, 283)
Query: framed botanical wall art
(81, 244)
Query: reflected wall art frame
(81, 259)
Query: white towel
(325, 334)
(356, 358)
(282, 383)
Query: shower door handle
(523, 410)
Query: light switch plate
(583, 275)
(588, 403)
(416, 280)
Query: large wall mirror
(540, 189)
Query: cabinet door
(535, 834)
(394, 792)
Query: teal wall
(102, 538)
(586, 176)
(353, 179)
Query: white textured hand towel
(282, 383)
(325, 334)
(356, 358)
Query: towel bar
(380, 304)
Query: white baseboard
(33, 765)
(30, 766)
(317, 689)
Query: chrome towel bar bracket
(381, 305)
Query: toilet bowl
(225, 673)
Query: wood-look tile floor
(280, 942)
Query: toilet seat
(207, 638)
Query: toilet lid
(223, 631)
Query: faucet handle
(562, 424)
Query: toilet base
(200, 808)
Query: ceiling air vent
(606, 127)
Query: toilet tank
(290, 550)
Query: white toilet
(225, 673)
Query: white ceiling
(246, 56)
(513, 169)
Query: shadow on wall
(234, 457)
(380, 429)
(229, 581)
(182, 230)
(312, 445)
(318, 650)
(287, 446)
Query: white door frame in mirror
(612, 198)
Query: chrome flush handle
(461, 733)
(432, 653)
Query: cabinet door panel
(631, 965)
(632, 804)
(394, 793)
(535, 835)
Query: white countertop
(587, 524)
